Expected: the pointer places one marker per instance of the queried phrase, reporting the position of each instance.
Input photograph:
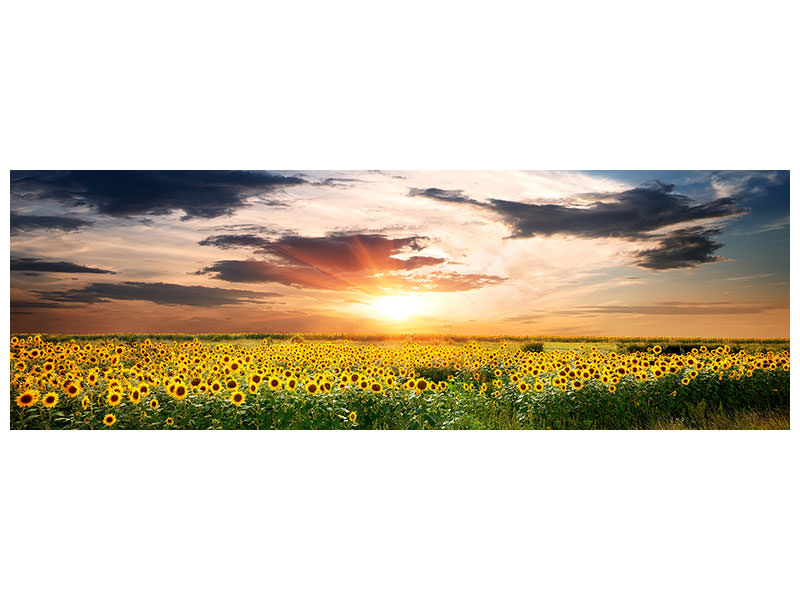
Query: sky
(618, 253)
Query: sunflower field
(162, 384)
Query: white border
(415, 85)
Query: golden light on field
(397, 307)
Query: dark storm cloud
(159, 293)
(17, 305)
(339, 261)
(631, 214)
(45, 266)
(681, 248)
(444, 195)
(261, 271)
(21, 223)
(334, 252)
(199, 194)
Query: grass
(777, 418)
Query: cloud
(199, 194)
(239, 228)
(441, 281)
(44, 266)
(457, 196)
(340, 261)
(630, 214)
(339, 182)
(21, 223)
(679, 308)
(159, 293)
(261, 271)
(335, 252)
(20, 305)
(680, 248)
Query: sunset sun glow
(397, 307)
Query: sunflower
(180, 391)
(109, 420)
(686, 381)
(114, 398)
(144, 389)
(312, 388)
(577, 384)
(85, 403)
(612, 388)
(274, 383)
(421, 385)
(376, 388)
(352, 416)
(170, 421)
(154, 404)
(231, 385)
(50, 399)
(291, 384)
(523, 387)
(237, 398)
(216, 386)
(135, 396)
(73, 389)
(27, 398)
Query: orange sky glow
(619, 253)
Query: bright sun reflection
(398, 308)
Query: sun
(398, 307)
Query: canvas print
(413, 300)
